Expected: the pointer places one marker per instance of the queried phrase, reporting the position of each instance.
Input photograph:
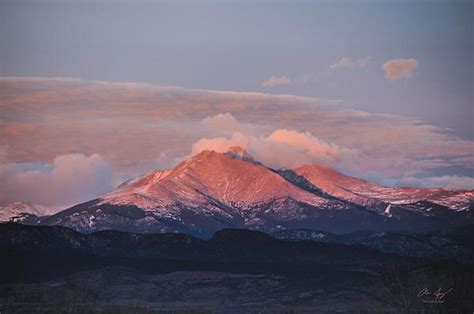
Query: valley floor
(333, 289)
(57, 270)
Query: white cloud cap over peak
(398, 69)
(282, 148)
(273, 81)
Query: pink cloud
(273, 81)
(281, 149)
(398, 69)
(363, 62)
(136, 127)
(69, 179)
(220, 121)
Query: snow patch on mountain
(368, 194)
(16, 211)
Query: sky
(95, 92)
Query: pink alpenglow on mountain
(211, 191)
(366, 193)
(232, 179)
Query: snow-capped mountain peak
(211, 191)
(238, 152)
(210, 175)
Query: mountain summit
(212, 191)
(238, 152)
(210, 177)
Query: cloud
(398, 69)
(221, 144)
(281, 149)
(363, 62)
(453, 182)
(302, 148)
(348, 63)
(276, 81)
(69, 179)
(289, 149)
(137, 127)
(227, 124)
(220, 121)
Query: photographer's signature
(437, 296)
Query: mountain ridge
(212, 191)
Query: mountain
(453, 245)
(212, 191)
(55, 269)
(205, 193)
(23, 212)
(235, 245)
(231, 179)
(375, 196)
